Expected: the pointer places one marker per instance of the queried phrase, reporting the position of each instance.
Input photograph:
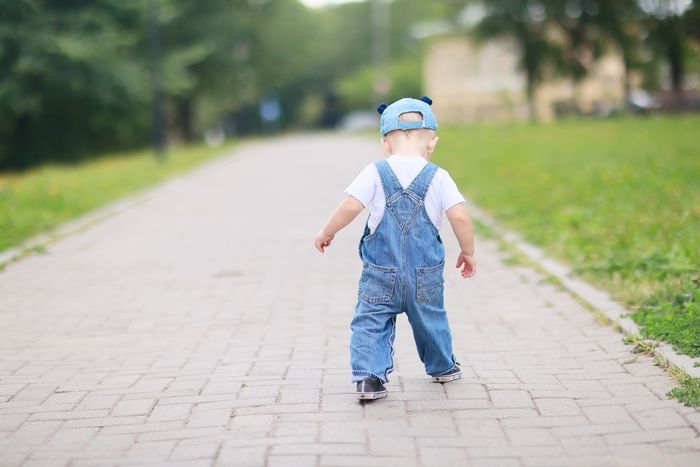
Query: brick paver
(201, 328)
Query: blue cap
(391, 113)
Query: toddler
(401, 250)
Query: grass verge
(689, 390)
(618, 200)
(40, 199)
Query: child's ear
(432, 143)
(386, 146)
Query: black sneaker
(371, 388)
(454, 373)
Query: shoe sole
(371, 395)
(446, 378)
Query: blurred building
(482, 82)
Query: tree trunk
(626, 77)
(672, 41)
(531, 107)
(674, 53)
(185, 117)
(18, 154)
(530, 89)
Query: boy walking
(401, 249)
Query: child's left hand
(322, 241)
(467, 265)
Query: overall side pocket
(429, 283)
(377, 283)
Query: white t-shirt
(367, 188)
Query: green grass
(618, 200)
(38, 200)
(688, 392)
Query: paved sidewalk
(201, 328)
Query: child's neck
(409, 154)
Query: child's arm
(347, 210)
(462, 227)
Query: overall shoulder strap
(389, 181)
(422, 181)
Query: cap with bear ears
(382, 107)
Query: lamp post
(157, 121)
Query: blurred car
(359, 121)
(642, 102)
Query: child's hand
(322, 241)
(467, 263)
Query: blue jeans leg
(372, 341)
(431, 332)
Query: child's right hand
(322, 241)
(467, 263)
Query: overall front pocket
(429, 283)
(377, 283)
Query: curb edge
(596, 298)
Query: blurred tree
(353, 72)
(692, 20)
(667, 37)
(577, 20)
(589, 26)
(405, 75)
(289, 50)
(202, 42)
(527, 22)
(74, 74)
(69, 81)
(620, 23)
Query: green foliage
(36, 201)
(77, 74)
(69, 82)
(688, 392)
(558, 37)
(77, 77)
(526, 21)
(405, 76)
(676, 320)
(616, 199)
(668, 39)
(591, 27)
(692, 20)
(355, 71)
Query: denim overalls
(403, 260)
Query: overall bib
(402, 266)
